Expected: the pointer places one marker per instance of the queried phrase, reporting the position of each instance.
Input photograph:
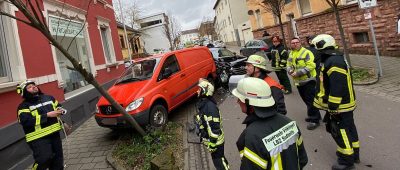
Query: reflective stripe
(40, 105)
(276, 162)
(23, 111)
(318, 103)
(348, 150)
(345, 151)
(37, 120)
(356, 144)
(42, 132)
(214, 119)
(241, 154)
(224, 163)
(299, 141)
(220, 138)
(350, 85)
(253, 157)
(333, 99)
(337, 69)
(35, 165)
(55, 105)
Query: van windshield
(141, 70)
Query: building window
(5, 72)
(260, 23)
(287, 1)
(351, 1)
(70, 31)
(276, 19)
(106, 46)
(150, 23)
(122, 41)
(305, 7)
(361, 37)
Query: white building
(189, 36)
(153, 29)
(245, 32)
(229, 13)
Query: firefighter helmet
(21, 87)
(206, 88)
(256, 91)
(258, 61)
(324, 41)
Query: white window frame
(69, 11)
(105, 23)
(15, 58)
(348, 2)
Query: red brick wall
(384, 19)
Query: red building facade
(89, 29)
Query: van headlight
(134, 105)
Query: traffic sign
(366, 3)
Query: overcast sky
(188, 12)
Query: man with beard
(38, 115)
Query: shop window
(361, 37)
(71, 36)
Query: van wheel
(158, 116)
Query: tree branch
(13, 17)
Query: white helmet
(259, 62)
(323, 41)
(255, 90)
(21, 87)
(207, 89)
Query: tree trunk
(342, 37)
(90, 79)
(282, 32)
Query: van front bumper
(142, 118)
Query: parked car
(219, 43)
(151, 87)
(254, 46)
(228, 63)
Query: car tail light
(264, 48)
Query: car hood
(125, 93)
(239, 60)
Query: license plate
(109, 121)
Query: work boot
(342, 167)
(312, 125)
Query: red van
(151, 87)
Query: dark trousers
(284, 79)
(344, 132)
(307, 93)
(219, 159)
(47, 152)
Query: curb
(374, 80)
(114, 164)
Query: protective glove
(208, 144)
(333, 112)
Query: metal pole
(375, 45)
(126, 35)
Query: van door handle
(183, 75)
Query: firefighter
(256, 66)
(270, 140)
(210, 121)
(336, 96)
(301, 67)
(38, 116)
(278, 57)
(317, 56)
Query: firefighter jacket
(210, 121)
(272, 142)
(32, 115)
(334, 87)
(302, 62)
(278, 57)
(277, 94)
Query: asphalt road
(376, 119)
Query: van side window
(172, 63)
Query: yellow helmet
(255, 90)
(258, 61)
(324, 41)
(21, 87)
(207, 89)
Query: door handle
(183, 75)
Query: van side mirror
(167, 73)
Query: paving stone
(88, 166)
(73, 167)
(84, 154)
(86, 160)
(99, 159)
(97, 153)
(101, 165)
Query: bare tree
(276, 8)
(172, 30)
(206, 28)
(33, 17)
(132, 12)
(335, 7)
